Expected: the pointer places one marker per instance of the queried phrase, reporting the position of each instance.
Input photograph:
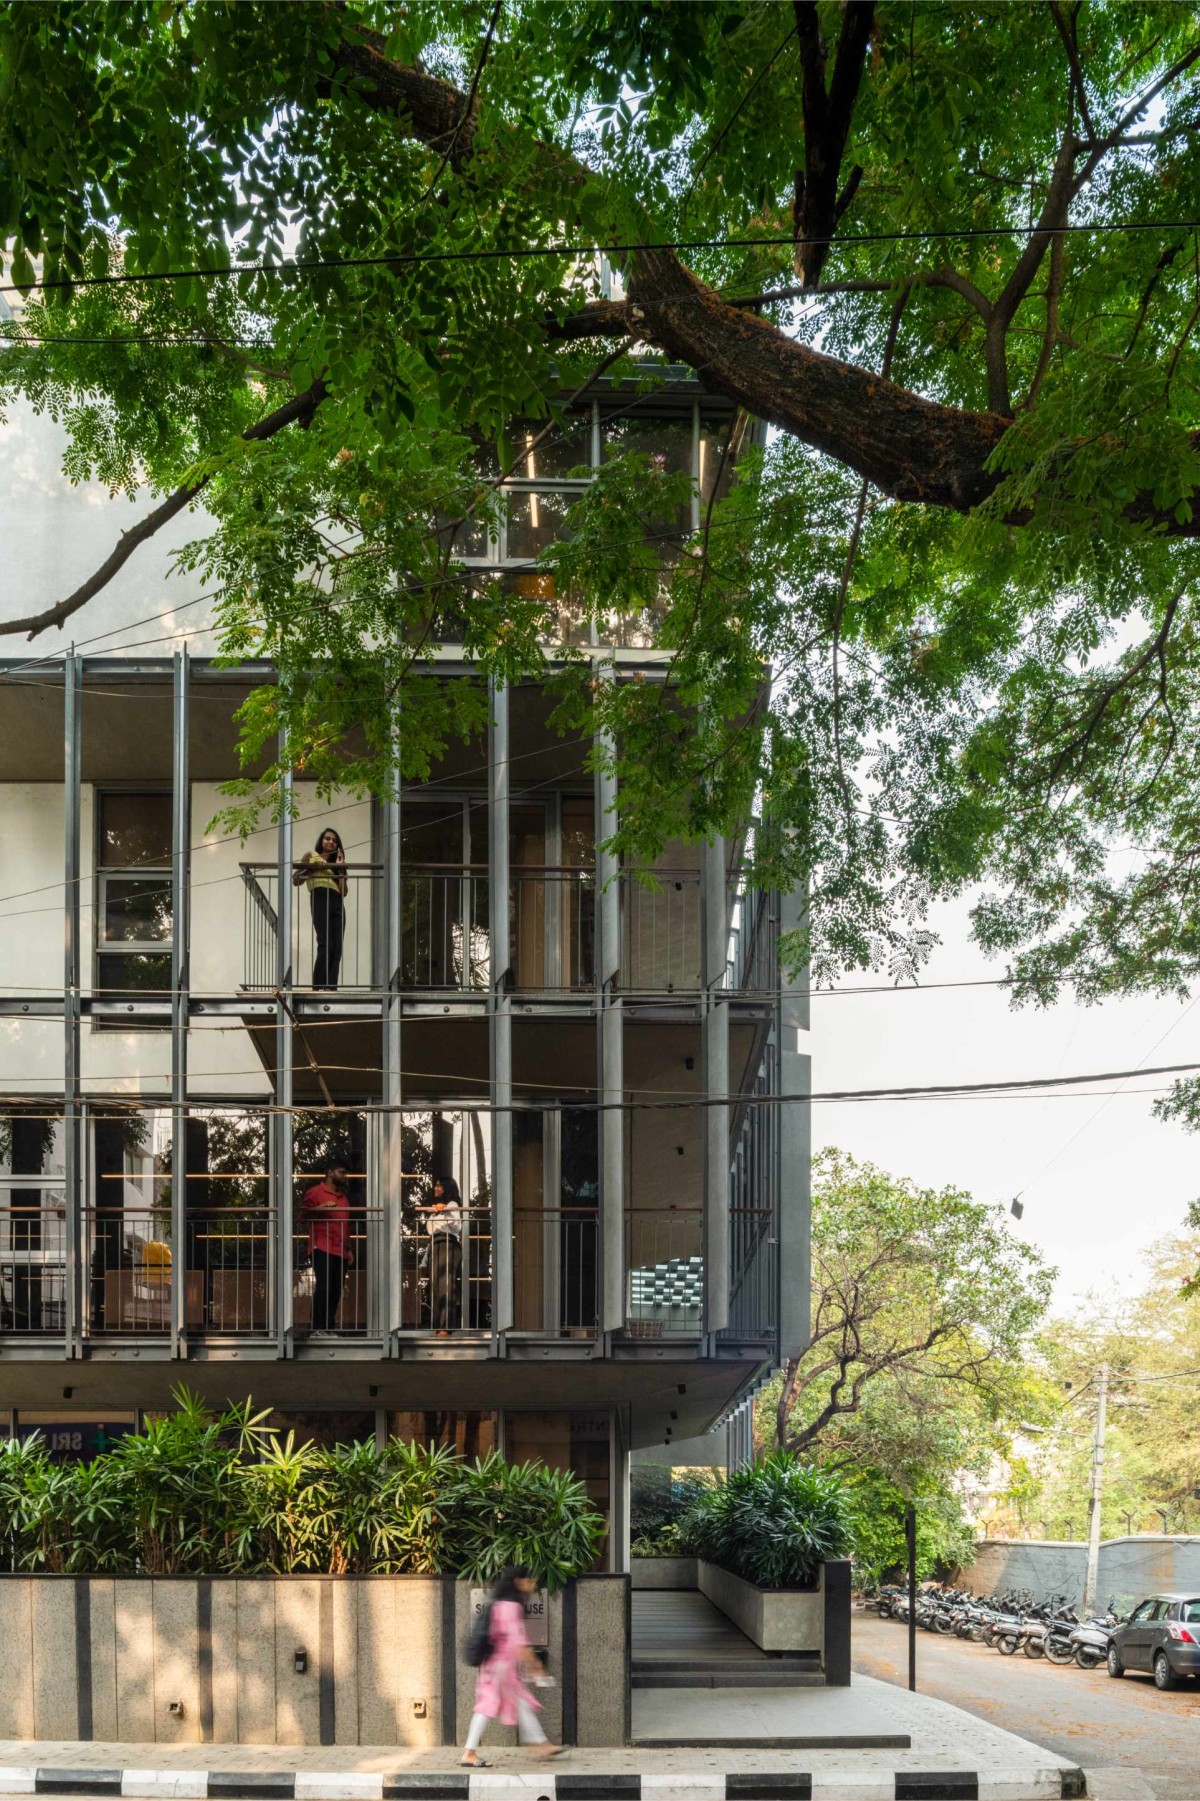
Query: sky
(1100, 1178)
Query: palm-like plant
(773, 1522)
(521, 1513)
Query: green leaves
(201, 1493)
(773, 1522)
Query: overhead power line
(520, 252)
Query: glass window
(136, 976)
(564, 454)
(134, 829)
(470, 1434)
(348, 1428)
(1189, 1611)
(537, 519)
(1144, 1612)
(137, 910)
(667, 442)
(134, 909)
(715, 460)
(578, 1442)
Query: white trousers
(529, 1727)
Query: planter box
(816, 1620)
(665, 1572)
(777, 1619)
(289, 1660)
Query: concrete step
(741, 1672)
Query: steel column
(500, 1011)
(392, 1081)
(74, 1299)
(715, 929)
(610, 1048)
(281, 1173)
(793, 1149)
(180, 978)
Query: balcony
(445, 935)
(664, 1260)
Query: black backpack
(478, 1647)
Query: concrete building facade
(612, 1070)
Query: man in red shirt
(326, 1210)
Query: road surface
(1147, 1744)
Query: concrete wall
(107, 1657)
(783, 1619)
(665, 1572)
(1130, 1567)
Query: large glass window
(134, 895)
(470, 1434)
(33, 1223)
(446, 1261)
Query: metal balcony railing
(446, 1279)
(555, 1269)
(340, 1295)
(661, 932)
(445, 935)
(552, 921)
(33, 1257)
(331, 935)
(665, 1264)
(445, 938)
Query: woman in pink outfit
(500, 1693)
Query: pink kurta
(498, 1686)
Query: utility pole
(1093, 1557)
(910, 1539)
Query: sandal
(474, 1763)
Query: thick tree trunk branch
(827, 115)
(298, 410)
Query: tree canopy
(949, 251)
(925, 1308)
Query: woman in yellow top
(323, 871)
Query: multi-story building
(612, 1071)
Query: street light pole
(910, 1536)
(1093, 1557)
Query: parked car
(1162, 1637)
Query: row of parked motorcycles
(1009, 1623)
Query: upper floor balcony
(446, 934)
(251, 1253)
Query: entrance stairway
(680, 1640)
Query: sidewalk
(722, 1745)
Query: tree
(948, 252)
(1151, 1341)
(923, 1304)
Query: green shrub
(204, 1493)
(773, 1522)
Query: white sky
(1092, 1206)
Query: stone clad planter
(777, 1619)
(665, 1572)
(815, 1620)
(288, 1660)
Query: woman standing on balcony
(445, 1217)
(323, 869)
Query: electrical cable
(520, 252)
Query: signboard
(77, 1438)
(537, 1614)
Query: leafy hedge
(204, 1494)
(773, 1522)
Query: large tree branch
(298, 410)
(818, 206)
